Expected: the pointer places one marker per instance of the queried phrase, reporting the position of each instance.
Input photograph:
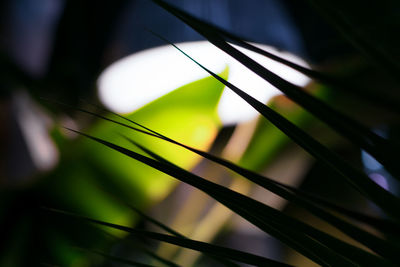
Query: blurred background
(55, 49)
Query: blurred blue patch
(269, 23)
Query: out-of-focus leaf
(255, 156)
(60, 246)
(16, 247)
(188, 114)
(75, 184)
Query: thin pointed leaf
(361, 182)
(150, 153)
(170, 230)
(380, 224)
(135, 245)
(205, 186)
(384, 151)
(380, 246)
(114, 113)
(153, 221)
(187, 243)
(266, 218)
(374, 98)
(383, 225)
(346, 86)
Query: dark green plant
(376, 41)
(318, 246)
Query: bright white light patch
(134, 81)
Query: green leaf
(193, 105)
(77, 182)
